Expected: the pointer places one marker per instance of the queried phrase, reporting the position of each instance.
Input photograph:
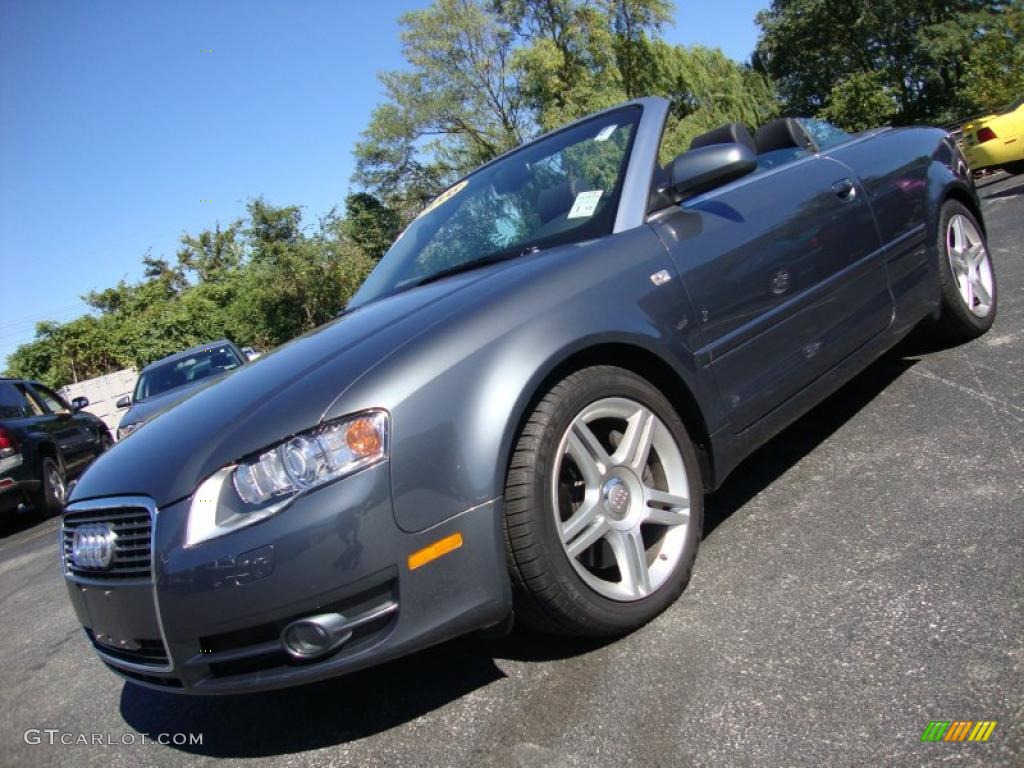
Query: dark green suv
(43, 442)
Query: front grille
(149, 652)
(132, 547)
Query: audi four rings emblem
(93, 546)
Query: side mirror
(123, 402)
(79, 403)
(708, 167)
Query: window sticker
(586, 204)
(444, 197)
(606, 132)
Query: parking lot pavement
(860, 576)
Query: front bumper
(208, 619)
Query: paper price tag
(586, 204)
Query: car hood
(284, 392)
(145, 410)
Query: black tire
(1016, 167)
(956, 322)
(549, 594)
(48, 499)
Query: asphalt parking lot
(859, 577)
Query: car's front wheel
(603, 506)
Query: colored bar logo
(958, 730)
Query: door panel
(72, 437)
(786, 277)
(894, 168)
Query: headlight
(126, 429)
(263, 485)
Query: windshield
(561, 189)
(193, 367)
(825, 134)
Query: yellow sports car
(996, 141)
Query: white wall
(102, 393)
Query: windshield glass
(561, 189)
(825, 134)
(177, 373)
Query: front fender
(459, 391)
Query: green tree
(550, 61)
(457, 107)
(262, 280)
(861, 101)
(212, 253)
(369, 224)
(707, 89)
(994, 73)
(834, 57)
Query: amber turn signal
(364, 438)
(437, 549)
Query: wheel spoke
(672, 509)
(975, 255)
(631, 557)
(591, 534)
(588, 453)
(968, 285)
(579, 520)
(959, 235)
(635, 446)
(958, 261)
(979, 290)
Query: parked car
(523, 406)
(44, 442)
(168, 381)
(997, 140)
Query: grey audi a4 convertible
(521, 409)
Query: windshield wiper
(470, 265)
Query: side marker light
(438, 549)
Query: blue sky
(118, 131)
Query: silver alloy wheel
(56, 483)
(971, 265)
(621, 498)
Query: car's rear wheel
(603, 506)
(967, 277)
(1015, 167)
(49, 499)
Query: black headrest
(781, 134)
(555, 200)
(733, 133)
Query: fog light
(315, 636)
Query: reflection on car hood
(145, 410)
(284, 392)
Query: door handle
(845, 190)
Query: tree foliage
(865, 62)
(262, 280)
(483, 75)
